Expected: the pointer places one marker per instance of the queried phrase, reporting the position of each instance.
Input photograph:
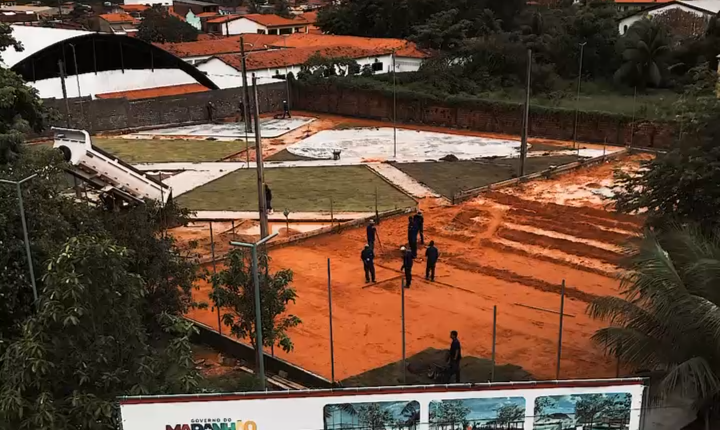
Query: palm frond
(695, 378)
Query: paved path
(402, 180)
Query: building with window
(118, 23)
(255, 23)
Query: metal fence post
(560, 332)
(494, 342)
(332, 350)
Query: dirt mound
(472, 370)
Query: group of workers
(408, 254)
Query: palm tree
(644, 49)
(668, 320)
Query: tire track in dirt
(510, 250)
(556, 211)
(571, 228)
(508, 276)
(563, 245)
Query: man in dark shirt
(268, 199)
(455, 356)
(419, 224)
(371, 234)
(412, 236)
(407, 266)
(431, 254)
(210, 111)
(286, 109)
(367, 255)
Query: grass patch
(448, 178)
(299, 189)
(286, 155)
(472, 369)
(161, 150)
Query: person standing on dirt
(455, 356)
(268, 199)
(210, 111)
(368, 256)
(407, 265)
(419, 223)
(286, 109)
(412, 236)
(371, 234)
(241, 111)
(431, 254)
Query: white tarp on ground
(377, 144)
(269, 128)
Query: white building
(703, 9)
(255, 24)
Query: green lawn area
(299, 189)
(160, 150)
(450, 177)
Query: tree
(591, 407)
(21, 109)
(373, 416)
(510, 414)
(644, 48)
(445, 30)
(281, 7)
(542, 404)
(158, 25)
(87, 344)
(234, 292)
(667, 320)
(449, 413)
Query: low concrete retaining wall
(245, 352)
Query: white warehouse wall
(626, 23)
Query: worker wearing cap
(419, 223)
(367, 255)
(371, 234)
(407, 265)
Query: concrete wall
(118, 114)
(487, 117)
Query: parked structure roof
(147, 93)
(278, 59)
(35, 39)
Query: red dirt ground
(509, 247)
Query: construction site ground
(509, 248)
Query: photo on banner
(401, 415)
(476, 414)
(603, 411)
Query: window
(261, 31)
(286, 31)
(377, 66)
(624, 29)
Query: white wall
(162, 2)
(304, 410)
(242, 25)
(626, 23)
(112, 81)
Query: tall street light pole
(262, 204)
(577, 97)
(246, 94)
(526, 116)
(258, 317)
(287, 81)
(77, 78)
(25, 230)
(394, 109)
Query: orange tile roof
(154, 92)
(117, 17)
(224, 45)
(223, 19)
(270, 20)
(403, 47)
(293, 57)
(207, 14)
(134, 7)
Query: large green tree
(644, 49)
(88, 344)
(158, 25)
(667, 320)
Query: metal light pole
(258, 317)
(332, 349)
(494, 340)
(77, 78)
(25, 230)
(402, 315)
(577, 98)
(394, 108)
(262, 205)
(560, 332)
(526, 116)
(246, 94)
(287, 81)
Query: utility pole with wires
(262, 205)
(246, 94)
(526, 116)
(577, 97)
